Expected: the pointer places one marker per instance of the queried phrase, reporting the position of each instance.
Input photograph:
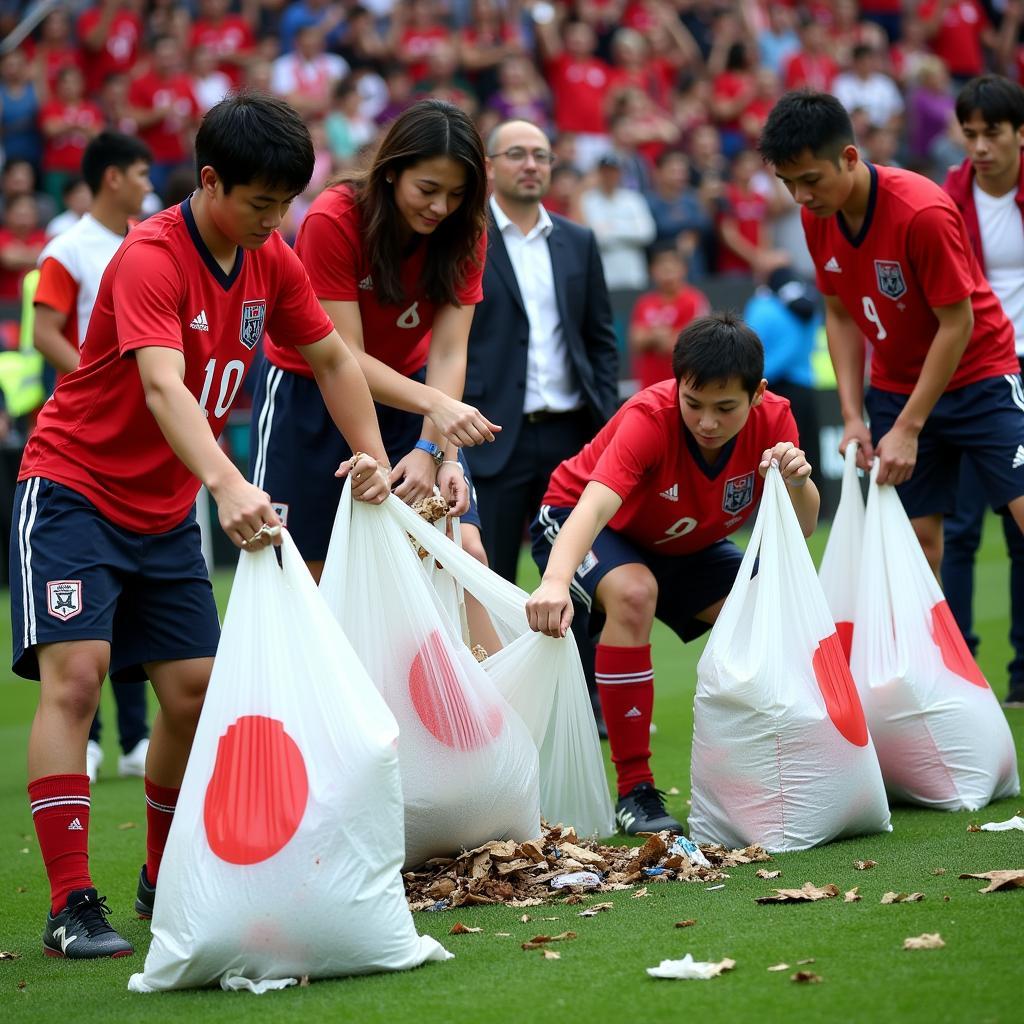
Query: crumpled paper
(689, 969)
(236, 983)
(1016, 822)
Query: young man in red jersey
(106, 567)
(635, 528)
(895, 263)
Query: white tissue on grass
(688, 969)
(1016, 822)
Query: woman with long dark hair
(395, 256)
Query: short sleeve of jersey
(337, 278)
(296, 318)
(147, 290)
(941, 260)
(57, 288)
(638, 444)
(472, 290)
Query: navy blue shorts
(984, 420)
(295, 449)
(77, 576)
(687, 584)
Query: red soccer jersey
(673, 502)
(165, 138)
(229, 37)
(64, 152)
(958, 38)
(119, 52)
(330, 245)
(912, 254)
(655, 309)
(809, 71)
(164, 289)
(578, 88)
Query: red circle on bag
(257, 794)
(440, 703)
(956, 655)
(839, 690)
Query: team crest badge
(254, 315)
(891, 282)
(64, 598)
(738, 494)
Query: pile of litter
(559, 864)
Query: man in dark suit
(542, 354)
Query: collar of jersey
(724, 455)
(869, 214)
(224, 280)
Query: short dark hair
(663, 246)
(71, 184)
(253, 137)
(997, 99)
(804, 120)
(717, 348)
(111, 149)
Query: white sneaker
(93, 759)
(134, 762)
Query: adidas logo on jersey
(633, 712)
(367, 283)
(1018, 458)
(833, 266)
(75, 826)
(672, 494)
(199, 322)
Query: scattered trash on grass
(689, 969)
(864, 865)
(806, 977)
(542, 940)
(929, 940)
(460, 929)
(767, 875)
(1016, 822)
(852, 895)
(596, 909)
(689, 923)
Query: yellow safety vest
(21, 372)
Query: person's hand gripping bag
(541, 678)
(781, 751)
(840, 565)
(283, 858)
(468, 764)
(941, 735)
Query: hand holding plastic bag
(781, 752)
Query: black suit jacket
(498, 340)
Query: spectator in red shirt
(958, 31)
(21, 242)
(635, 67)
(484, 44)
(660, 314)
(229, 36)
(743, 226)
(579, 83)
(732, 92)
(812, 66)
(416, 28)
(110, 34)
(56, 47)
(166, 111)
(68, 122)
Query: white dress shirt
(550, 382)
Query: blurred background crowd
(653, 106)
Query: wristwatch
(433, 450)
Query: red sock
(160, 804)
(60, 814)
(625, 684)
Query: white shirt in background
(550, 381)
(1002, 245)
(623, 226)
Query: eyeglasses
(517, 154)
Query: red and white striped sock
(625, 685)
(160, 804)
(60, 814)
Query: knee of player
(182, 702)
(74, 686)
(631, 599)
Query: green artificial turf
(857, 947)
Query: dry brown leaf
(542, 940)
(304, 981)
(502, 935)
(6, 954)
(640, 893)
(460, 929)
(126, 825)
(929, 940)
(1000, 880)
(802, 963)
(551, 954)
(548, 919)
(524, 918)
(902, 897)
(974, 827)
(596, 909)
(725, 965)
(864, 865)
(22, 888)
(938, 871)
(22, 985)
(806, 977)
(689, 923)
(650, 853)
(763, 873)
(779, 967)
(807, 893)
(852, 895)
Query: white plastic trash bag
(781, 751)
(942, 738)
(540, 676)
(469, 767)
(283, 858)
(840, 565)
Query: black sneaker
(642, 809)
(144, 896)
(80, 931)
